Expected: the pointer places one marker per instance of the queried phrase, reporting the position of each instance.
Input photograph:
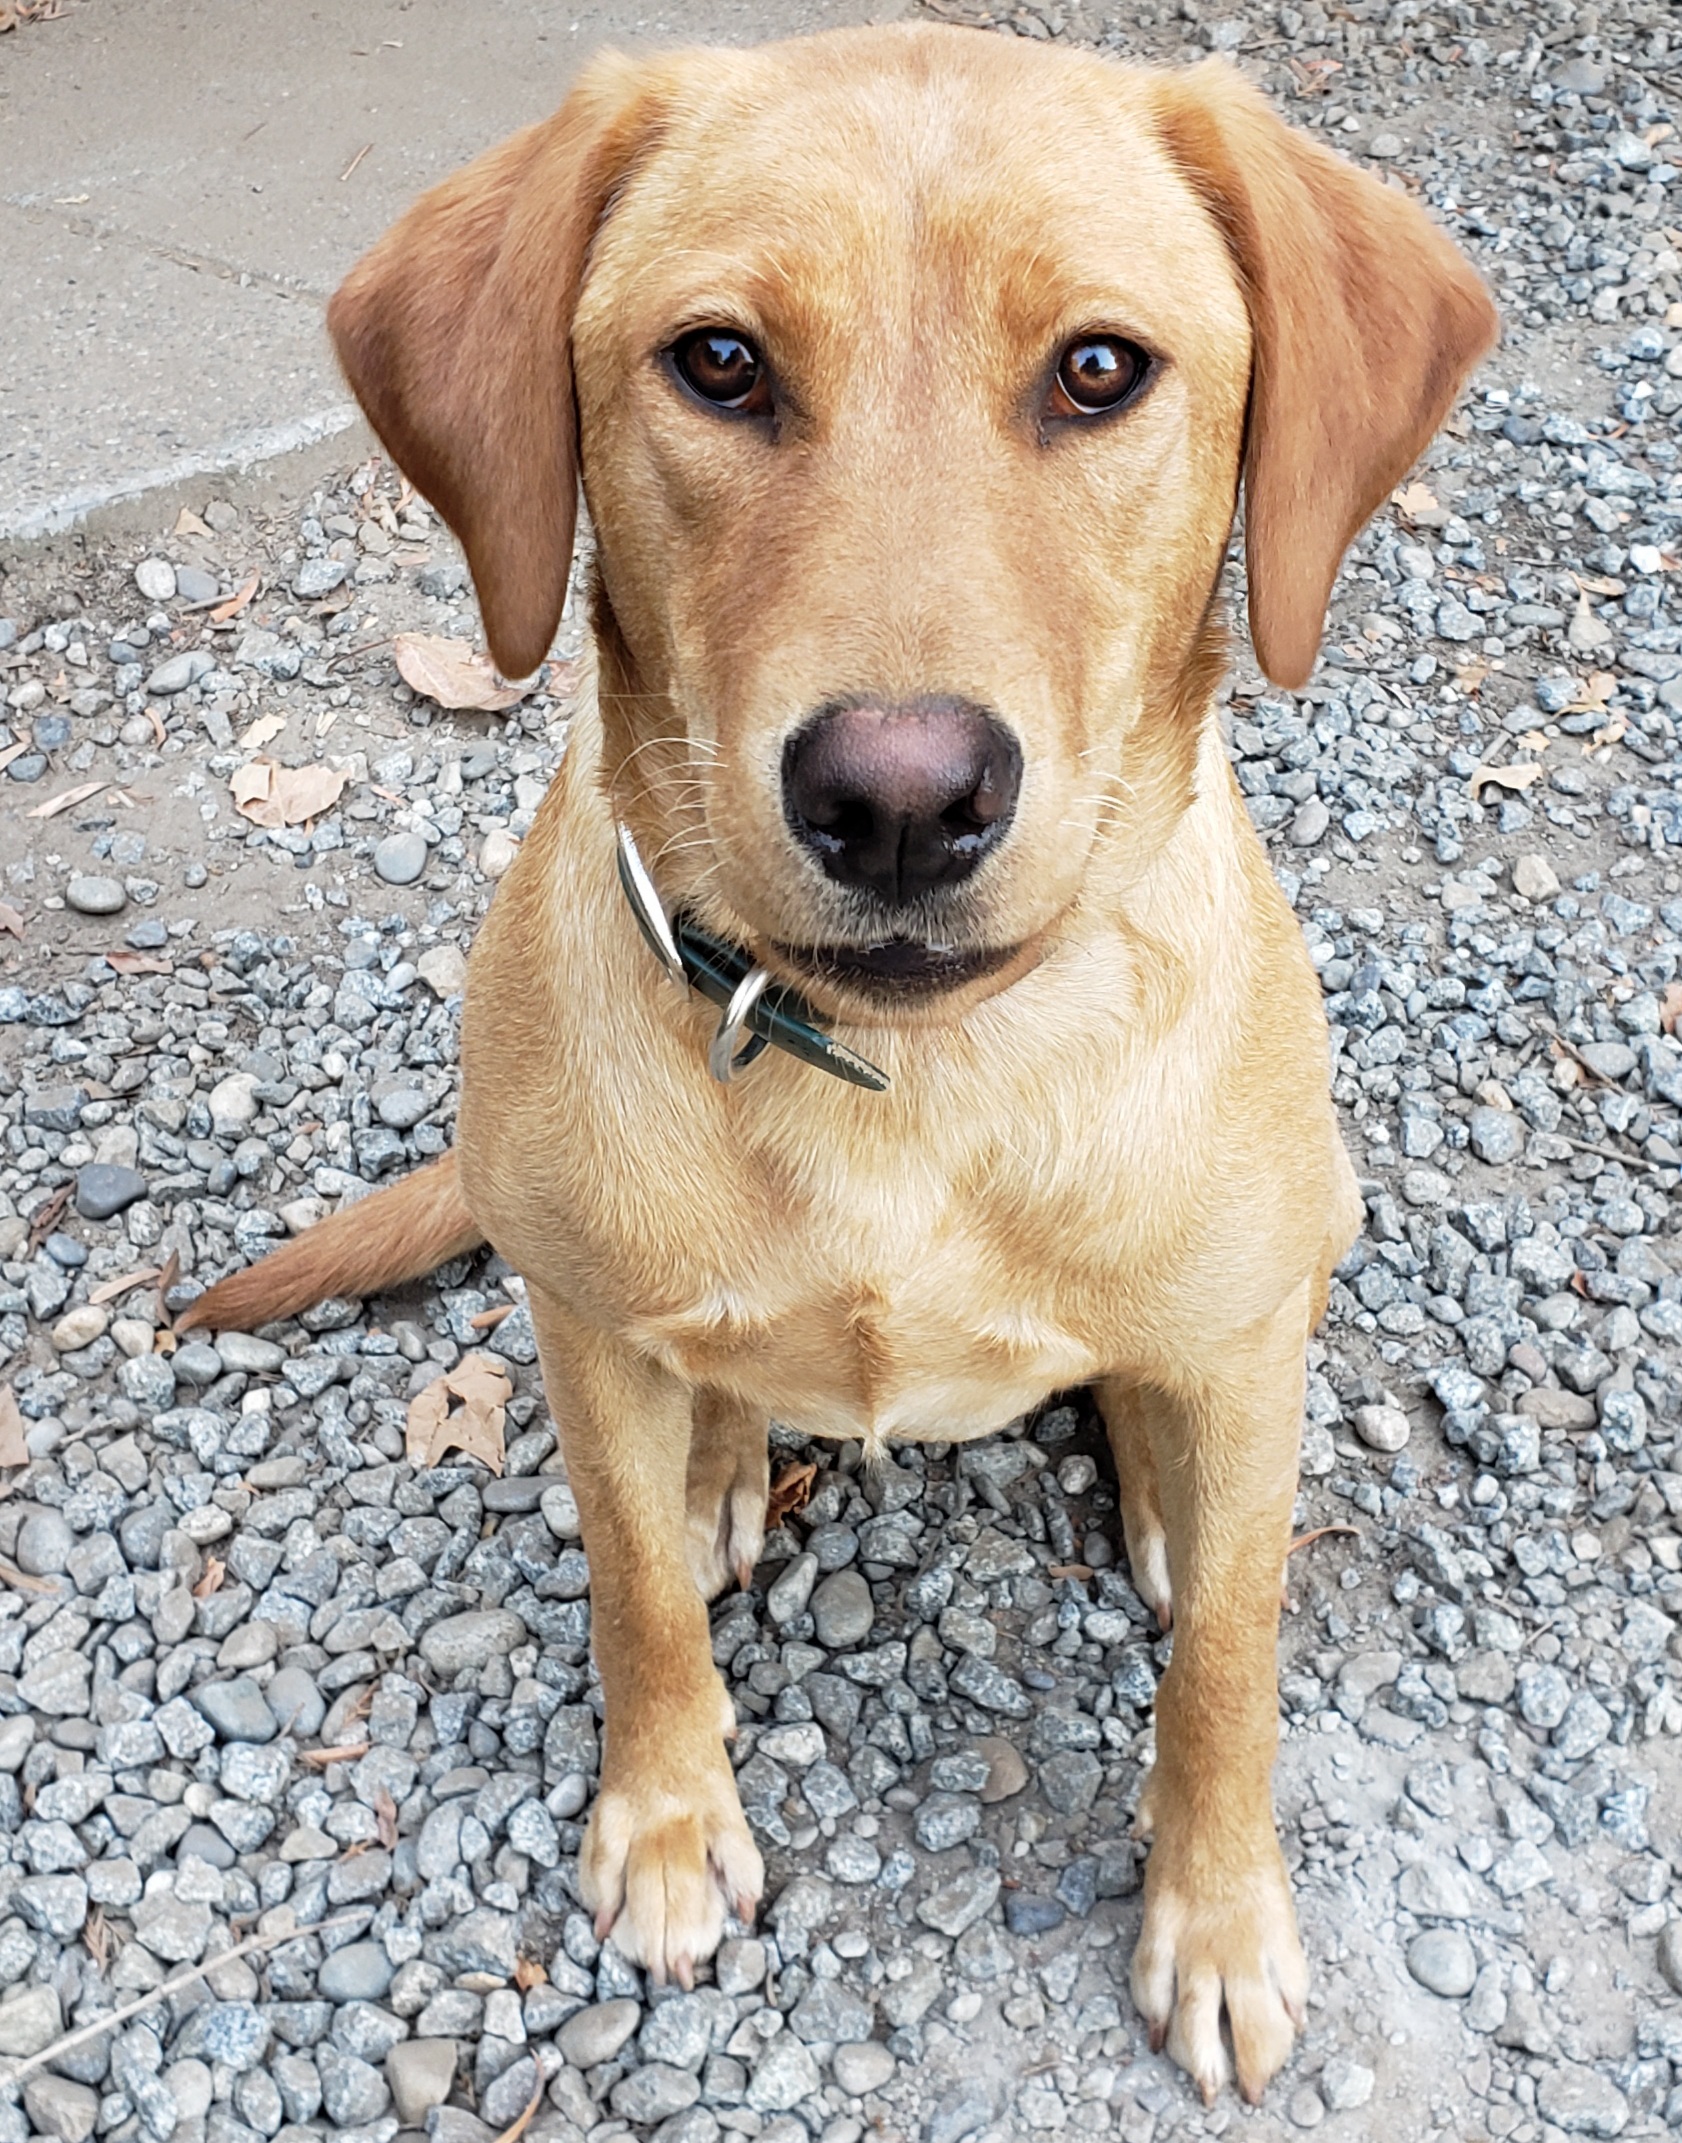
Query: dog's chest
(901, 1315)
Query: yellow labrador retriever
(911, 376)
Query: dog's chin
(906, 972)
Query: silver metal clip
(641, 892)
(722, 1059)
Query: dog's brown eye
(723, 369)
(1096, 374)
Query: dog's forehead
(890, 169)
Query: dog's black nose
(901, 799)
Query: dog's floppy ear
(1366, 320)
(455, 333)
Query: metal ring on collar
(722, 1059)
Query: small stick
(355, 160)
(19, 1583)
(517, 2128)
(1606, 1153)
(85, 2032)
(1319, 1533)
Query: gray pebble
(103, 1190)
(238, 1710)
(317, 577)
(360, 1972)
(43, 1544)
(177, 672)
(654, 2092)
(1441, 1959)
(842, 1610)
(155, 578)
(469, 1640)
(421, 2073)
(400, 858)
(296, 1703)
(194, 585)
(596, 2034)
(251, 1357)
(95, 896)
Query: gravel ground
(260, 1676)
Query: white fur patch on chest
(880, 1362)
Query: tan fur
(1114, 1160)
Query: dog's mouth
(898, 966)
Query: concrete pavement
(183, 182)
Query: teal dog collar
(759, 1013)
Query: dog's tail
(395, 1235)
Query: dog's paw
(724, 1535)
(1227, 1939)
(663, 1863)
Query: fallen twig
(517, 2128)
(85, 2032)
(19, 1582)
(346, 1753)
(1319, 1533)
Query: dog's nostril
(901, 799)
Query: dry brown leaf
(1470, 676)
(8, 20)
(1504, 777)
(473, 1428)
(10, 920)
(385, 1819)
(1414, 499)
(452, 673)
(138, 963)
(1534, 741)
(187, 523)
(1614, 733)
(13, 1450)
(1592, 697)
(236, 602)
(214, 1573)
(67, 800)
(97, 1935)
(488, 1320)
(46, 1217)
(791, 1491)
(1597, 584)
(1670, 1007)
(262, 731)
(14, 751)
(269, 794)
(347, 1753)
(1079, 1571)
(528, 1973)
(109, 1290)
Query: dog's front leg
(1219, 1927)
(668, 1848)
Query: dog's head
(911, 375)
